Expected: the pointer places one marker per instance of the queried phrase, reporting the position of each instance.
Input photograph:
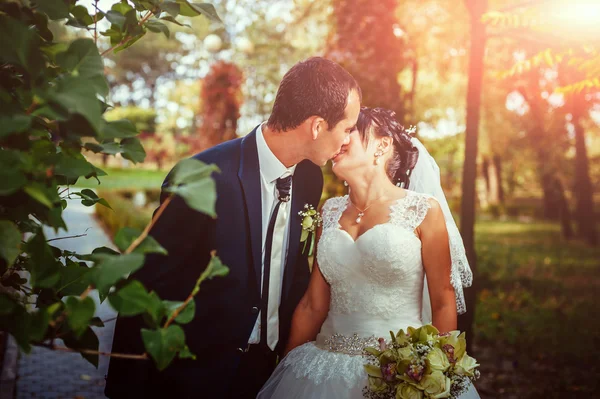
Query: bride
(387, 258)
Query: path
(51, 374)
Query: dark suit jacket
(226, 307)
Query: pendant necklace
(361, 212)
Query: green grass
(131, 178)
(538, 303)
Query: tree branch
(143, 356)
(142, 21)
(64, 238)
(179, 310)
(149, 226)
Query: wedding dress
(377, 285)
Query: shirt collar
(271, 168)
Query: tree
(221, 96)
(575, 59)
(476, 9)
(364, 43)
(52, 102)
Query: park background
(504, 94)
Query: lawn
(536, 327)
(130, 178)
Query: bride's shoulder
(421, 201)
(334, 203)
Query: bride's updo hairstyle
(381, 122)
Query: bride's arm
(437, 263)
(311, 310)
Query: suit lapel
(249, 176)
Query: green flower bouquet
(419, 364)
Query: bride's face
(354, 156)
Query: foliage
(536, 289)
(221, 97)
(144, 119)
(365, 44)
(124, 212)
(579, 56)
(127, 178)
(52, 102)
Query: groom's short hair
(316, 86)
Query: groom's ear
(317, 126)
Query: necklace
(361, 212)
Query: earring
(378, 154)
(345, 183)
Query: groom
(242, 320)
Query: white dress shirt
(271, 169)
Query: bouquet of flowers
(421, 363)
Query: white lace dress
(376, 286)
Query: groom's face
(330, 142)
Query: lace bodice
(381, 273)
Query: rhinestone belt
(349, 345)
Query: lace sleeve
(332, 211)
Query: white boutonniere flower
(311, 219)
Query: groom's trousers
(255, 368)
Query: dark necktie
(283, 188)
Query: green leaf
(55, 9)
(122, 7)
(74, 279)
(14, 124)
(215, 268)
(82, 59)
(132, 149)
(79, 313)
(122, 128)
(11, 180)
(116, 18)
(96, 322)
(170, 7)
(129, 43)
(111, 148)
(82, 17)
(186, 315)
(89, 198)
(193, 182)
(20, 45)
(72, 166)
(43, 266)
(163, 344)
(10, 241)
(127, 235)
(38, 324)
(112, 268)
(194, 9)
(88, 340)
(131, 300)
(186, 354)
(156, 26)
(76, 94)
(38, 193)
(176, 22)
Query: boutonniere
(311, 219)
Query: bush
(124, 213)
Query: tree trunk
(498, 166)
(556, 206)
(584, 213)
(467, 221)
(485, 170)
